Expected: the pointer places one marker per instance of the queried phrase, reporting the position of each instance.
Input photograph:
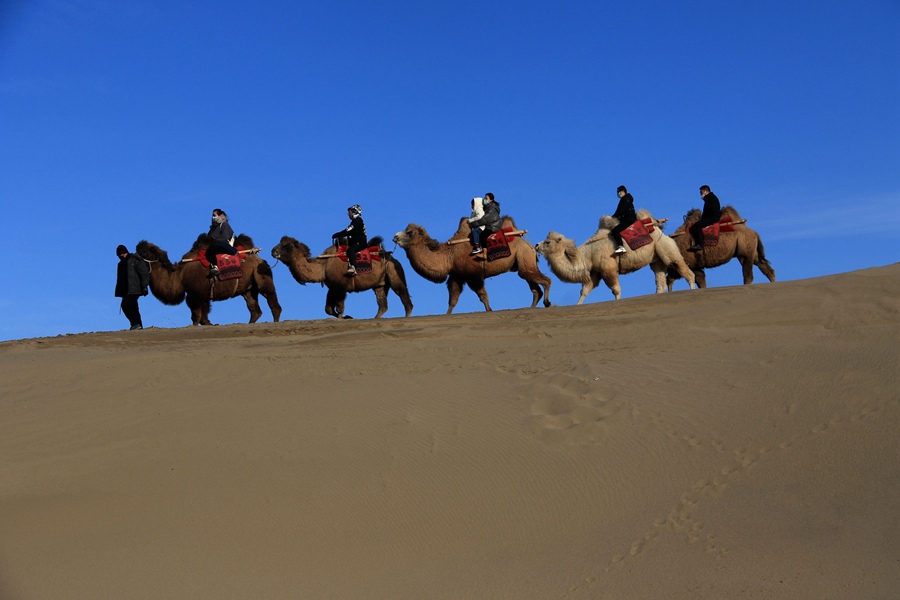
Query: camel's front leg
(334, 303)
(588, 285)
(454, 287)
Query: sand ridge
(731, 442)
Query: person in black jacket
(222, 236)
(355, 233)
(626, 216)
(132, 281)
(491, 221)
(712, 212)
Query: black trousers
(352, 249)
(616, 232)
(215, 250)
(131, 310)
(697, 230)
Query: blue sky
(126, 120)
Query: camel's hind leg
(399, 287)
(611, 279)
(659, 273)
(382, 299)
(251, 297)
(266, 287)
(477, 286)
(766, 269)
(537, 280)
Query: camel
(743, 243)
(173, 284)
(594, 260)
(453, 263)
(332, 273)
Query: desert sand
(737, 442)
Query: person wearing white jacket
(477, 215)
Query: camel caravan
(220, 265)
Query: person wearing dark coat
(132, 282)
(222, 236)
(491, 221)
(712, 212)
(626, 216)
(356, 236)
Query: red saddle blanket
(364, 258)
(497, 244)
(229, 266)
(201, 256)
(637, 235)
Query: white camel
(594, 260)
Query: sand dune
(726, 443)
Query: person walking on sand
(132, 281)
(626, 216)
(712, 212)
(356, 236)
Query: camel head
(414, 234)
(153, 253)
(290, 249)
(554, 243)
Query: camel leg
(334, 303)
(477, 286)
(587, 286)
(402, 291)
(700, 278)
(766, 269)
(611, 279)
(746, 269)
(381, 298)
(199, 316)
(536, 280)
(659, 273)
(454, 287)
(251, 297)
(266, 287)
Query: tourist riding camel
(355, 233)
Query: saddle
(229, 265)
(364, 257)
(497, 244)
(637, 235)
(711, 232)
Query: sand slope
(727, 443)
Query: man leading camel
(712, 212)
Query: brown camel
(743, 243)
(332, 273)
(174, 284)
(453, 263)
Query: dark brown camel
(173, 284)
(743, 243)
(332, 273)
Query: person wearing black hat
(626, 216)
(355, 233)
(712, 212)
(132, 281)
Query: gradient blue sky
(124, 120)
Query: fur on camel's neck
(571, 263)
(430, 258)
